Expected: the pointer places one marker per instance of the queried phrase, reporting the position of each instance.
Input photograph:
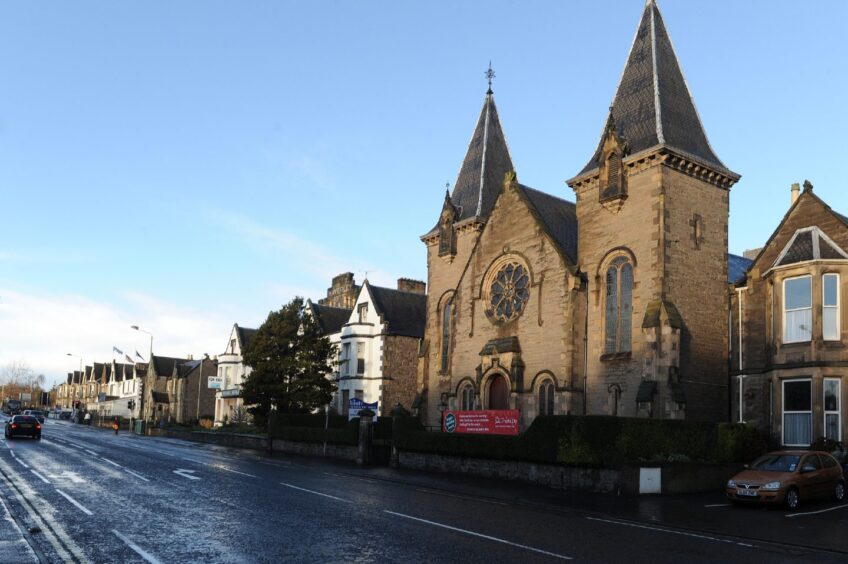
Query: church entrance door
(498, 393)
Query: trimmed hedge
(306, 420)
(599, 441)
(305, 428)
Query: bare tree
(18, 373)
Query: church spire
(652, 106)
(486, 162)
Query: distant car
(65, 414)
(787, 477)
(23, 425)
(35, 413)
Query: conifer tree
(290, 359)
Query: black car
(35, 413)
(23, 425)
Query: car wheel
(793, 499)
(839, 492)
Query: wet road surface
(97, 497)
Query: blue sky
(186, 165)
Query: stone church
(615, 303)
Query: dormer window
(446, 236)
(362, 311)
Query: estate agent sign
(356, 404)
(489, 422)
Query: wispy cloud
(42, 329)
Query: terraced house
(614, 303)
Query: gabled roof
(329, 319)
(559, 218)
(404, 313)
(652, 106)
(164, 365)
(245, 336)
(809, 243)
(737, 268)
(187, 367)
(486, 162)
(88, 374)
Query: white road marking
(90, 452)
(115, 464)
(24, 464)
(671, 531)
(141, 552)
(139, 476)
(314, 492)
(480, 535)
(40, 477)
(436, 492)
(231, 470)
(186, 473)
(719, 505)
(67, 475)
(816, 512)
(75, 502)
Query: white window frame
(838, 411)
(784, 412)
(837, 307)
(785, 328)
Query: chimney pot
(796, 188)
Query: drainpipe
(586, 349)
(741, 377)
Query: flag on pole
(138, 356)
(130, 360)
(117, 350)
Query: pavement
(91, 496)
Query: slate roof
(486, 162)
(160, 397)
(559, 218)
(737, 268)
(653, 106)
(403, 312)
(164, 365)
(330, 319)
(245, 336)
(187, 367)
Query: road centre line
(40, 477)
(91, 452)
(138, 550)
(314, 492)
(671, 531)
(480, 535)
(139, 476)
(816, 512)
(75, 502)
(229, 470)
(115, 464)
(468, 497)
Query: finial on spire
(447, 189)
(490, 74)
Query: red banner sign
(490, 422)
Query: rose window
(509, 292)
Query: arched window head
(466, 397)
(618, 307)
(447, 312)
(546, 397)
(507, 289)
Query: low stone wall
(560, 477)
(343, 452)
(682, 477)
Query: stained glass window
(618, 310)
(509, 292)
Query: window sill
(616, 357)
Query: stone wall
(400, 364)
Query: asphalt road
(97, 497)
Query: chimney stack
(409, 285)
(796, 188)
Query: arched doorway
(498, 393)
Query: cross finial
(490, 74)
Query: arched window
(466, 397)
(614, 391)
(546, 398)
(619, 306)
(446, 333)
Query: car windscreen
(777, 463)
(23, 419)
(35, 413)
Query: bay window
(797, 412)
(833, 409)
(830, 307)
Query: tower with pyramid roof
(652, 209)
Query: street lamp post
(149, 365)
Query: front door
(498, 393)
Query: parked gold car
(788, 476)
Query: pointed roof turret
(652, 106)
(486, 162)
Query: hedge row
(601, 441)
(305, 428)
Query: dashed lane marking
(468, 497)
(91, 452)
(40, 477)
(314, 492)
(22, 463)
(480, 535)
(138, 550)
(816, 512)
(115, 464)
(670, 531)
(80, 506)
(137, 475)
